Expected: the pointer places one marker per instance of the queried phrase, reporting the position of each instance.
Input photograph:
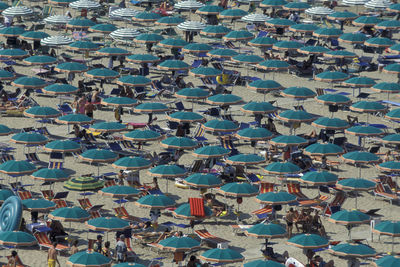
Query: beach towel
(196, 207)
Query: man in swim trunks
(52, 256)
(289, 221)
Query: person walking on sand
(52, 256)
(89, 108)
(289, 222)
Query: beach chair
(6, 157)
(180, 107)
(227, 143)
(25, 194)
(386, 192)
(32, 157)
(266, 187)
(47, 194)
(94, 214)
(199, 134)
(196, 63)
(43, 130)
(65, 109)
(47, 11)
(196, 207)
(263, 213)
(60, 203)
(320, 91)
(205, 236)
(294, 189)
(334, 206)
(122, 213)
(127, 144)
(55, 165)
(44, 242)
(110, 183)
(85, 203)
(131, 255)
(116, 148)
(197, 166)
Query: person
(154, 215)
(74, 248)
(193, 262)
(89, 108)
(98, 245)
(106, 251)
(95, 96)
(52, 256)
(121, 249)
(271, 126)
(14, 260)
(75, 105)
(324, 163)
(122, 4)
(317, 222)
(217, 207)
(81, 105)
(290, 216)
(56, 230)
(155, 184)
(121, 177)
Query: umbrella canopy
(17, 238)
(70, 214)
(119, 101)
(178, 143)
(273, 3)
(4, 194)
(197, 48)
(215, 30)
(264, 86)
(360, 157)
(210, 152)
(282, 168)
(132, 163)
(359, 82)
(167, 171)
(124, 13)
(248, 59)
(29, 82)
(71, 67)
(394, 8)
(184, 212)
(280, 23)
(102, 73)
(188, 5)
(295, 116)
(3, 6)
(319, 11)
(388, 25)
(258, 108)
(262, 41)
(4, 130)
(356, 184)
(185, 116)
(74, 119)
(6, 75)
(392, 68)
(238, 190)
(179, 243)
(80, 23)
(298, 92)
(366, 21)
(84, 4)
(50, 175)
(296, 6)
(220, 53)
(29, 138)
(349, 217)
(387, 228)
(353, 38)
(303, 28)
(142, 135)
(222, 255)
(17, 167)
(313, 50)
(393, 114)
(40, 60)
(340, 54)
(391, 138)
(57, 19)
(103, 28)
(387, 261)
(368, 106)
(107, 224)
(191, 26)
(205, 72)
(56, 41)
(192, 93)
(83, 184)
(276, 198)
(143, 58)
(38, 204)
(155, 202)
(224, 99)
(112, 51)
(330, 123)
(173, 43)
(173, 65)
(389, 166)
(89, 258)
(333, 99)
(288, 140)
(273, 65)
(108, 127)
(364, 131)
(310, 241)
(98, 155)
(129, 264)
(119, 191)
(319, 178)
(134, 81)
(254, 134)
(232, 14)
(41, 112)
(286, 45)
(262, 230)
(125, 34)
(331, 76)
(379, 42)
(149, 38)
(353, 250)
(209, 10)
(327, 149)
(328, 33)
(169, 21)
(203, 180)
(11, 31)
(378, 4)
(342, 16)
(263, 263)
(220, 126)
(238, 36)
(13, 53)
(151, 107)
(395, 49)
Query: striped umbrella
(255, 18)
(83, 184)
(125, 34)
(378, 4)
(188, 5)
(56, 41)
(17, 11)
(124, 13)
(192, 26)
(319, 11)
(57, 19)
(84, 4)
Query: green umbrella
(205, 72)
(298, 92)
(102, 73)
(224, 99)
(295, 116)
(282, 168)
(308, 241)
(359, 82)
(273, 3)
(385, 87)
(60, 89)
(258, 108)
(13, 53)
(296, 6)
(61, 2)
(395, 49)
(331, 76)
(17, 167)
(340, 54)
(263, 263)
(112, 51)
(287, 45)
(71, 67)
(132, 163)
(238, 36)
(330, 123)
(280, 23)
(89, 258)
(209, 10)
(29, 138)
(173, 43)
(38, 204)
(146, 17)
(197, 48)
(29, 83)
(303, 28)
(70, 214)
(107, 224)
(11, 31)
(353, 38)
(388, 228)
(392, 68)
(143, 58)
(319, 178)
(220, 126)
(119, 101)
(356, 157)
(238, 190)
(4, 130)
(364, 131)
(333, 99)
(222, 53)
(248, 59)
(179, 243)
(328, 33)
(262, 230)
(254, 134)
(40, 60)
(192, 93)
(74, 119)
(41, 112)
(62, 146)
(142, 135)
(155, 202)
(288, 140)
(134, 81)
(178, 143)
(391, 139)
(232, 14)
(83, 184)
(169, 21)
(387, 261)
(167, 171)
(203, 180)
(367, 106)
(130, 264)
(6, 193)
(353, 250)
(173, 65)
(17, 238)
(313, 50)
(389, 166)
(222, 255)
(276, 198)
(151, 107)
(83, 46)
(82, 23)
(366, 21)
(185, 116)
(103, 28)
(50, 175)
(327, 149)
(98, 155)
(342, 16)
(207, 152)
(379, 42)
(108, 127)
(215, 30)
(264, 85)
(6, 75)
(262, 41)
(148, 38)
(119, 191)
(184, 212)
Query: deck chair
(196, 63)
(110, 183)
(204, 235)
(44, 242)
(230, 45)
(180, 107)
(122, 213)
(228, 144)
(116, 148)
(199, 134)
(197, 166)
(334, 205)
(217, 65)
(47, 11)
(55, 165)
(60, 203)
(6, 157)
(130, 253)
(16, 3)
(196, 207)
(85, 203)
(263, 213)
(65, 109)
(252, 178)
(266, 187)
(320, 91)
(25, 194)
(43, 130)
(94, 214)
(48, 194)
(294, 189)
(386, 192)
(127, 144)
(32, 157)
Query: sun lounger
(94, 214)
(48, 194)
(60, 203)
(386, 192)
(85, 203)
(207, 237)
(263, 213)
(294, 189)
(236, 228)
(6, 157)
(122, 213)
(196, 207)
(130, 253)
(44, 242)
(25, 194)
(333, 206)
(266, 187)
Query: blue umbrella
(310, 241)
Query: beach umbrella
(356, 157)
(342, 16)
(215, 30)
(319, 178)
(185, 116)
(184, 212)
(142, 135)
(254, 134)
(353, 250)
(282, 168)
(296, 6)
(264, 86)
(3, 6)
(149, 38)
(388, 25)
(103, 28)
(173, 43)
(355, 184)
(219, 53)
(89, 258)
(313, 50)
(319, 11)
(388, 228)
(224, 99)
(173, 65)
(98, 155)
(389, 166)
(192, 93)
(6, 75)
(262, 41)
(119, 191)
(57, 41)
(391, 139)
(40, 60)
(57, 19)
(83, 46)
(258, 108)
(263, 263)
(17, 167)
(247, 59)
(366, 21)
(205, 72)
(392, 68)
(238, 190)
(255, 18)
(232, 14)
(11, 31)
(288, 140)
(359, 82)
(70, 214)
(331, 76)
(191, 26)
(178, 143)
(29, 138)
(50, 175)
(340, 54)
(222, 255)
(379, 42)
(83, 23)
(330, 123)
(41, 112)
(188, 5)
(393, 114)
(207, 152)
(197, 48)
(151, 107)
(74, 119)
(387, 261)
(308, 241)
(62, 146)
(378, 4)
(13, 53)
(327, 149)
(333, 99)
(273, 65)
(367, 106)
(287, 45)
(167, 171)
(394, 8)
(119, 101)
(83, 184)
(394, 49)
(276, 198)
(155, 202)
(353, 38)
(71, 67)
(108, 127)
(4, 130)
(143, 58)
(38, 204)
(129, 264)
(125, 34)
(209, 10)
(84, 4)
(347, 217)
(298, 92)
(220, 126)
(102, 73)
(134, 81)
(29, 82)
(124, 13)
(179, 243)
(6, 193)
(280, 23)
(107, 224)
(292, 116)
(273, 3)
(132, 163)
(239, 35)
(364, 131)
(262, 230)
(328, 33)
(169, 21)
(201, 180)
(303, 28)
(17, 239)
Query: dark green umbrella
(184, 212)
(385, 87)
(340, 54)
(89, 258)
(333, 99)
(366, 21)
(108, 127)
(17, 167)
(262, 42)
(353, 38)
(238, 190)
(173, 43)
(273, 4)
(40, 60)
(119, 191)
(327, 149)
(357, 157)
(220, 126)
(169, 21)
(29, 82)
(17, 239)
(331, 76)
(203, 180)
(197, 48)
(134, 81)
(29, 138)
(232, 14)
(262, 230)
(303, 28)
(280, 23)
(215, 30)
(379, 42)
(204, 72)
(71, 67)
(319, 178)
(224, 99)
(74, 119)
(296, 6)
(292, 116)
(149, 38)
(192, 93)
(264, 85)
(298, 92)
(353, 250)
(4, 130)
(330, 123)
(222, 53)
(173, 65)
(98, 155)
(151, 107)
(282, 168)
(103, 28)
(107, 224)
(179, 243)
(167, 171)
(222, 255)
(391, 139)
(254, 134)
(41, 112)
(238, 36)
(349, 218)
(263, 263)
(287, 45)
(288, 140)
(387, 261)
(389, 166)
(70, 214)
(392, 68)
(185, 116)
(6, 75)
(50, 175)
(367, 106)
(119, 101)
(388, 228)
(112, 52)
(13, 53)
(142, 135)
(60, 89)
(313, 50)
(142, 58)
(364, 131)
(83, 46)
(38, 204)
(258, 108)
(83, 184)
(155, 202)
(248, 59)
(328, 33)
(209, 10)
(308, 241)
(102, 73)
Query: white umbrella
(124, 13)
(194, 26)
(17, 11)
(125, 34)
(56, 40)
(188, 5)
(319, 11)
(355, 2)
(378, 4)
(57, 19)
(87, 4)
(255, 18)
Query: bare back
(52, 254)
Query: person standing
(289, 222)
(98, 244)
(89, 108)
(121, 249)
(14, 260)
(52, 256)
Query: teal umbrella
(6, 193)
(185, 116)
(258, 108)
(356, 184)
(62, 146)
(40, 60)
(29, 138)
(103, 28)
(17, 167)
(347, 217)
(102, 73)
(203, 180)
(308, 241)
(38, 204)
(178, 143)
(120, 191)
(357, 157)
(17, 238)
(82, 23)
(83, 46)
(238, 36)
(205, 72)
(130, 264)
(238, 190)
(331, 76)
(220, 126)
(263, 263)
(287, 45)
(112, 51)
(173, 43)
(132, 163)
(387, 261)
(328, 32)
(224, 99)
(184, 212)
(146, 17)
(4, 130)
(340, 54)
(273, 3)
(83, 183)
(167, 171)
(41, 112)
(288, 140)
(262, 41)
(60, 89)
(173, 65)
(222, 255)
(333, 99)
(143, 58)
(50, 175)
(379, 42)
(353, 250)
(313, 50)
(151, 107)
(71, 67)
(385, 87)
(389, 166)
(296, 6)
(388, 25)
(394, 8)
(155, 202)
(367, 106)
(282, 168)
(232, 14)
(3, 6)
(179, 243)
(169, 21)
(11, 31)
(248, 59)
(13, 53)
(6, 75)
(89, 258)
(364, 131)
(107, 127)
(70, 214)
(262, 230)
(254, 134)
(207, 152)
(98, 155)
(119, 101)
(192, 93)
(327, 149)
(395, 49)
(222, 53)
(292, 116)
(303, 28)
(298, 92)
(388, 228)
(209, 10)
(319, 178)
(134, 81)
(330, 123)
(391, 139)
(142, 135)
(280, 23)
(353, 38)
(197, 48)
(29, 83)
(215, 30)
(392, 68)
(366, 21)
(276, 198)
(74, 119)
(342, 15)
(359, 82)
(264, 85)
(107, 224)
(148, 38)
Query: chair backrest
(85, 203)
(60, 195)
(179, 106)
(56, 156)
(48, 194)
(42, 238)
(196, 207)
(110, 183)
(7, 157)
(32, 157)
(115, 91)
(24, 195)
(60, 203)
(94, 214)
(55, 165)
(339, 199)
(115, 146)
(266, 187)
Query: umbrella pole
(392, 244)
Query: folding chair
(196, 207)
(32, 157)
(25, 194)
(94, 214)
(85, 203)
(266, 187)
(43, 130)
(199, 134)
(127, 144)
(206, 236)
(116, 148)
(385, 192)
(263, 213)
(180, 107)
(196, 63)
(122, 213)
(55, 165)
(65, 109)
(110, 183)
(60, 203)
(6, 157)
(44, 242)
(48, 194)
